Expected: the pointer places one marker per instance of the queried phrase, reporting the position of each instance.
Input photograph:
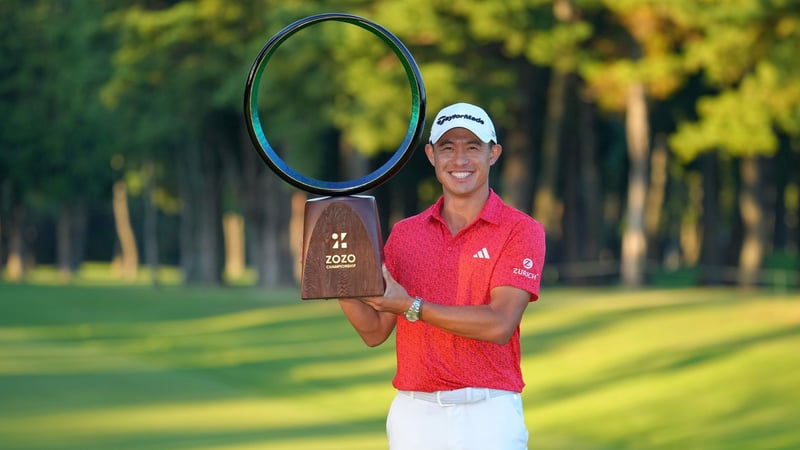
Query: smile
(460, 175)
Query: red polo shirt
(502, 247)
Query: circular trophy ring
(389, 168)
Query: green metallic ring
(333, 188)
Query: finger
(386, 274)
(369, 301)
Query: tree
(632, 63)
(55, 138)
(758, 91)
(167, 85)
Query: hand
(393, 288)
(395, 298)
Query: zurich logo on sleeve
(527, 265)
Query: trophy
(342, 251)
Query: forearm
(482, 322)
(374, 327)
(495, 322)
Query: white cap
(464, 115)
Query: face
(462, 162)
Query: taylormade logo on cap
(463, 115)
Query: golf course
(138, 367)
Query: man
(458, 279)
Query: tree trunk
(233, 230)
(711, 261)
(269, 216)
(150, 222)
(268, 211)
(127, 240)
(516, 183)
(590, 185)
(3, 232)
(15, 264)
(516, 176)
(547, 208)
(201, 220)
(352, 163)
(780, 236)
(634, 245)
(752, 252)
(64, 243)
(573, 225)
(571, 147)
(187, 255)
(298, 203)
(792, 201)
(690, 227)
(70, 239)
(655, 197)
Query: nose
(460, 155)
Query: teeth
(460, 174)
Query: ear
(495, 153)
(429, 153)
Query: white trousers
(495, 423)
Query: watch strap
(412, 315)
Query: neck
(458, 212)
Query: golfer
(458, 276)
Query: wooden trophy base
(342, 248)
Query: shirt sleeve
(522, 258)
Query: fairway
(240, 368)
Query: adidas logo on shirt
(482, 254)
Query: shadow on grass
(599, 319)
(663, 363)
(102, 367)
(116, 348)
(263, 437)
(592, 323)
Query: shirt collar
(491, 211)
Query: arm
(495, 322)
(374, 327)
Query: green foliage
(746, 53)
(162, 82)
(736, 120)
(302, 90)
(54, 132)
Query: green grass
(116, 367)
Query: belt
(458, 396)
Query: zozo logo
(338, 240)
(340, 260)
